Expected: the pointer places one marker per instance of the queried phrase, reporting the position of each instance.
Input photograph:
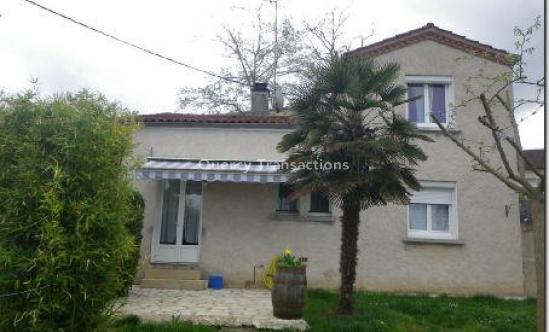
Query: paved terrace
(225, 307)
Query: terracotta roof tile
(434, 33)
(216, 118)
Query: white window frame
(448, 96)
(452, 234)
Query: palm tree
(345, 118)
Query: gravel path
(225, 307)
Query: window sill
(320, 214)
(448, 242)
(296, 217)
(435, 128)
(285, 215)
(320, 217)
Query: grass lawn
(387, 312)
(132, 324)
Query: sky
(66, 57)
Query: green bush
(65, 193)
(134, 226)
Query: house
(216, 201)
(536, 158)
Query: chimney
(260, 98)
(278, 101)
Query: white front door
(176, 236)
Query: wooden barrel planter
(288, 293)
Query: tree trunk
(538, 222)
(349, 250)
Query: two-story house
(216, 201)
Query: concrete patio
(225, 307)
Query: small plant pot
(288, 293)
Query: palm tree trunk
(349, 251)
(538, 223)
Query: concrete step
(178, 274)
(174, 284)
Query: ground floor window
(432, 212)
(319, 203)
(285, 202)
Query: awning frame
(212, 170)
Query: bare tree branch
(487, 167)
(251, 50)
(526, 161)
(491, 124)
(507, 104)
(496, 87)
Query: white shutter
(433, 196)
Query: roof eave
(217, 125)
(433, 33)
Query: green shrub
(134, 226)
(65, 192)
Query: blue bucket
(215, 281)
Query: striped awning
(212, 170)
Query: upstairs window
(285, 203)
(319, 203)
(434, 96)
(432, 212)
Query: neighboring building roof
(434, 33)
(186, 118)
(535, 157)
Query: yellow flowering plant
(289, 260)
(288, 251)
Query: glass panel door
(193, 206)
(177, 232)
(170, 209)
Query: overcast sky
(66, 57)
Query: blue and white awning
(260, 171)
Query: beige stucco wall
(240, 232)
(210, 143)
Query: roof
(436, 34)
(535, 157)
(186, 118)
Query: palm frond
(345, 114)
